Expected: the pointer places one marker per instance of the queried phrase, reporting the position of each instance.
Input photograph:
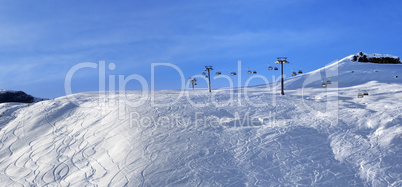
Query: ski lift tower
(282, 60)
(209, 68)
(193, 81)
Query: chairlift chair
(255, 72)
(248, 72)
(233, 73)
(323, 84)
(360, 94)
(300, 71)
(218, 73)
(293, 73)
(276, 67)
(329, 80)
(365, 92)
(270, 67)
(203, 73)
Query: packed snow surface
(230, 137)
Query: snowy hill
(247, 136)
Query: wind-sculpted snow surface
(311, 136)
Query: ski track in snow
(307, 141)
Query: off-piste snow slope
(230, 137)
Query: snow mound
(348, 73)
(232, 137)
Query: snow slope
(232, 137)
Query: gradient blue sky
(41, 40)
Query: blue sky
(40, 42)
